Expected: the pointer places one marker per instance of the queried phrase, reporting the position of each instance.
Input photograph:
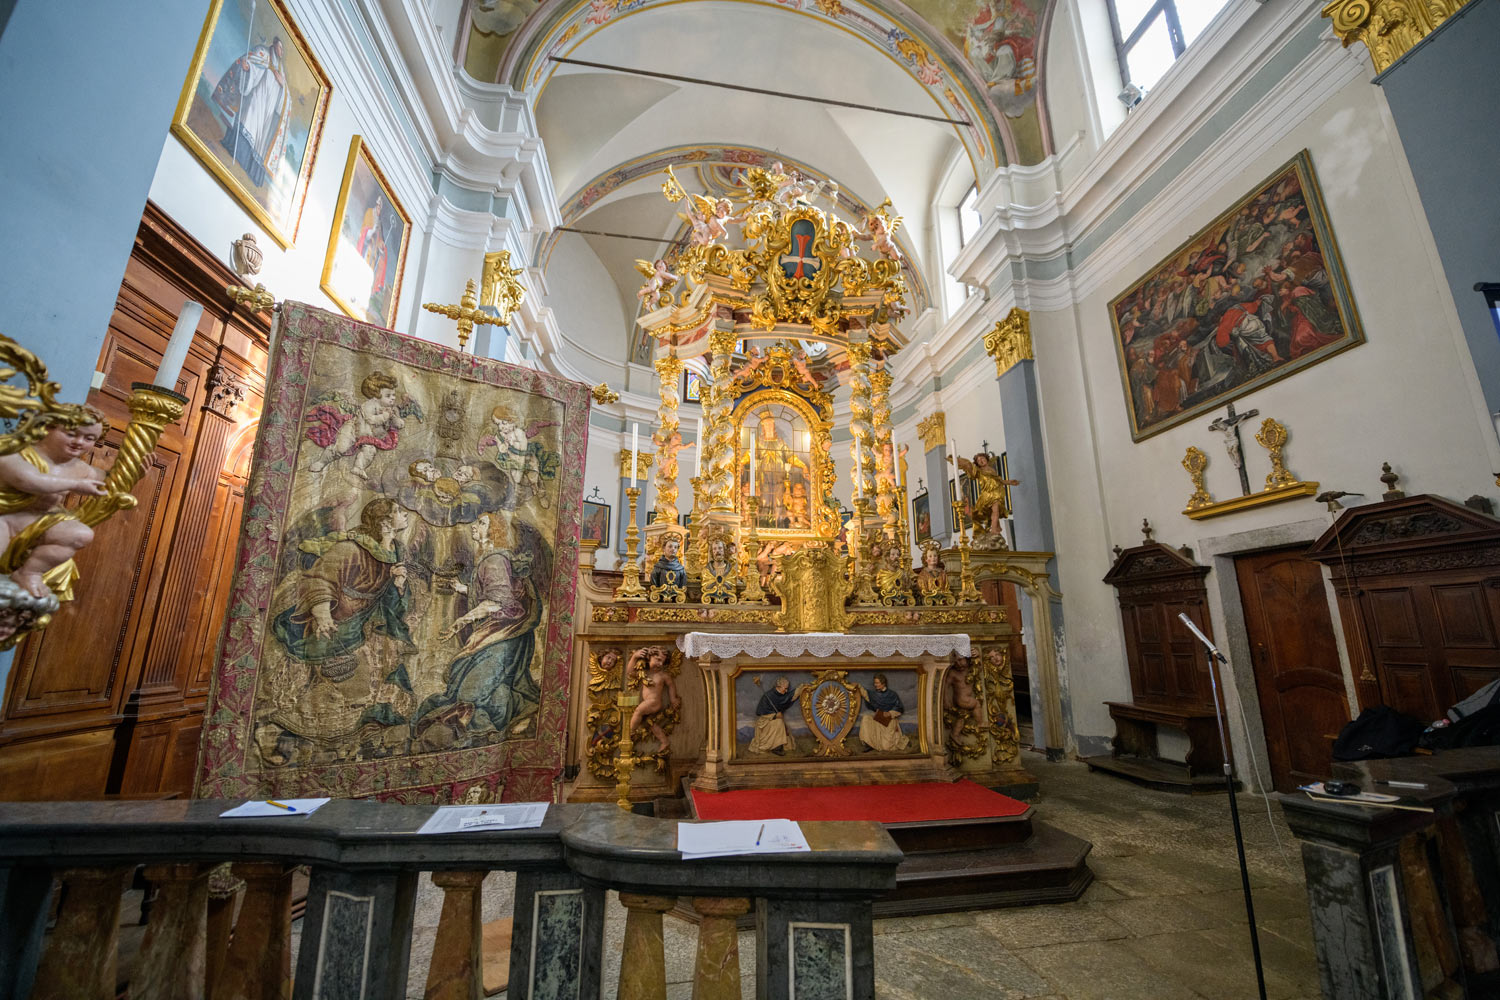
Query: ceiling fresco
(978, 60)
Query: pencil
(760, 834)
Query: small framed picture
(686, 520)
(692, 386)
(921, 516)
(651, 516)
(1005, 474)
(367, 248)
(595, 525)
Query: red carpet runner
(923, 802)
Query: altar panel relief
(827, 713)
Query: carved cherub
(959, 694)
(658, 689)
(880, 231)
(657, 291)
(33, 483)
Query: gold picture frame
(357, 266)
(252, 110)
(1256, 295)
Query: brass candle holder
(695, 554)
(864, 586)
(630, 588)
(967, 592)
(625, 759)
(754, 593)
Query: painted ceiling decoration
(978, 60)
(718, 169)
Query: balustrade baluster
(258, 965)
(717, 973)
(456, 971)
(80, 958)
(643, 959)
(172, 965)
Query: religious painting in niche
(595, 526)
(921, 516)
(692, 386)
(252, 110)
(867, 711)
(399, 622)
(1258, 294)
(776, 444)
(367, 247)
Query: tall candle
(698, 455)
(177, 348)
(635, 443)
(752, 463)
(859, 479)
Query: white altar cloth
(760, 644)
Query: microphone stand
(1234, 809)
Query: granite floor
(1164, 919)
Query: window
(968, 223)
(1151, 34)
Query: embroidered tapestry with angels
(401, 612)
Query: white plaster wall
(1406, 395)
(582, 295)
(1070, 104)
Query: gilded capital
(880, 380)
(643, 462)
(669, 367)
(1010, 341)
(933, 430)
(1389, 28)
(859, 352)
(721, 342)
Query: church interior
(487, 446)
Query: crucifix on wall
(1229, 426)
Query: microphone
(1214, 650)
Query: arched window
(1151, 34)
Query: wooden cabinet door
(1300, 683)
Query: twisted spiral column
(720, 432)
(668, 438)
(885, 451)
(861, 415)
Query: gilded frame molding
(1339, 282)
(201, 152)
(357, 146)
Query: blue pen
(760, 834)
(281, 805)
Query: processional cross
(1229, 426)
(467, 313)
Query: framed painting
(252, 110)
(1256, 295)
(692, 386)
(367, 247)
(921, 516)
(595, 526)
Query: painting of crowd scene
(1258, 294)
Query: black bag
(1481, 729)
(1380, 731)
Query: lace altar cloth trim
(762, 644)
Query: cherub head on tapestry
(411, 581)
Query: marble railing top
(600, 842)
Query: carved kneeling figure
(33, 484)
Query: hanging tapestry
(401, 617)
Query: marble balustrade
(813, 910)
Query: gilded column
(1389, 28)
(885, 451)
(668, 438)
(720, 461)
(861, 415)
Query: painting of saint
(252, 110)
(595, 525)
(367, 247)
(921, 516)
(1258, 294)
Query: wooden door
(1303, 702)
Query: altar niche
(784, 444)
(828, 713)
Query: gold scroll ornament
(1389, 28)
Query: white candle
(859, 484)
(177, 348)
(752, 463)
(635, 443)
(698, 455)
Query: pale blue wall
(1445, 97)
(86, 98)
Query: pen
(281, 805)
(1405, 784)
(759, 835)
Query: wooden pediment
(1151, 562)
(1423, 523)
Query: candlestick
(754, 593)
(752, 463)
(698, 454)
(630, 588)
(176, 353)
(635, 443)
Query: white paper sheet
(263, 807)
(752, 836)
(495, 817)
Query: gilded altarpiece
(401, 614)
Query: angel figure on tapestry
(880, 720)
(771, 734)
(34, 482)
(524, 461)
(339, 427)
(650, 666)
(490, 689)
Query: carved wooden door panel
(1298, 677)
